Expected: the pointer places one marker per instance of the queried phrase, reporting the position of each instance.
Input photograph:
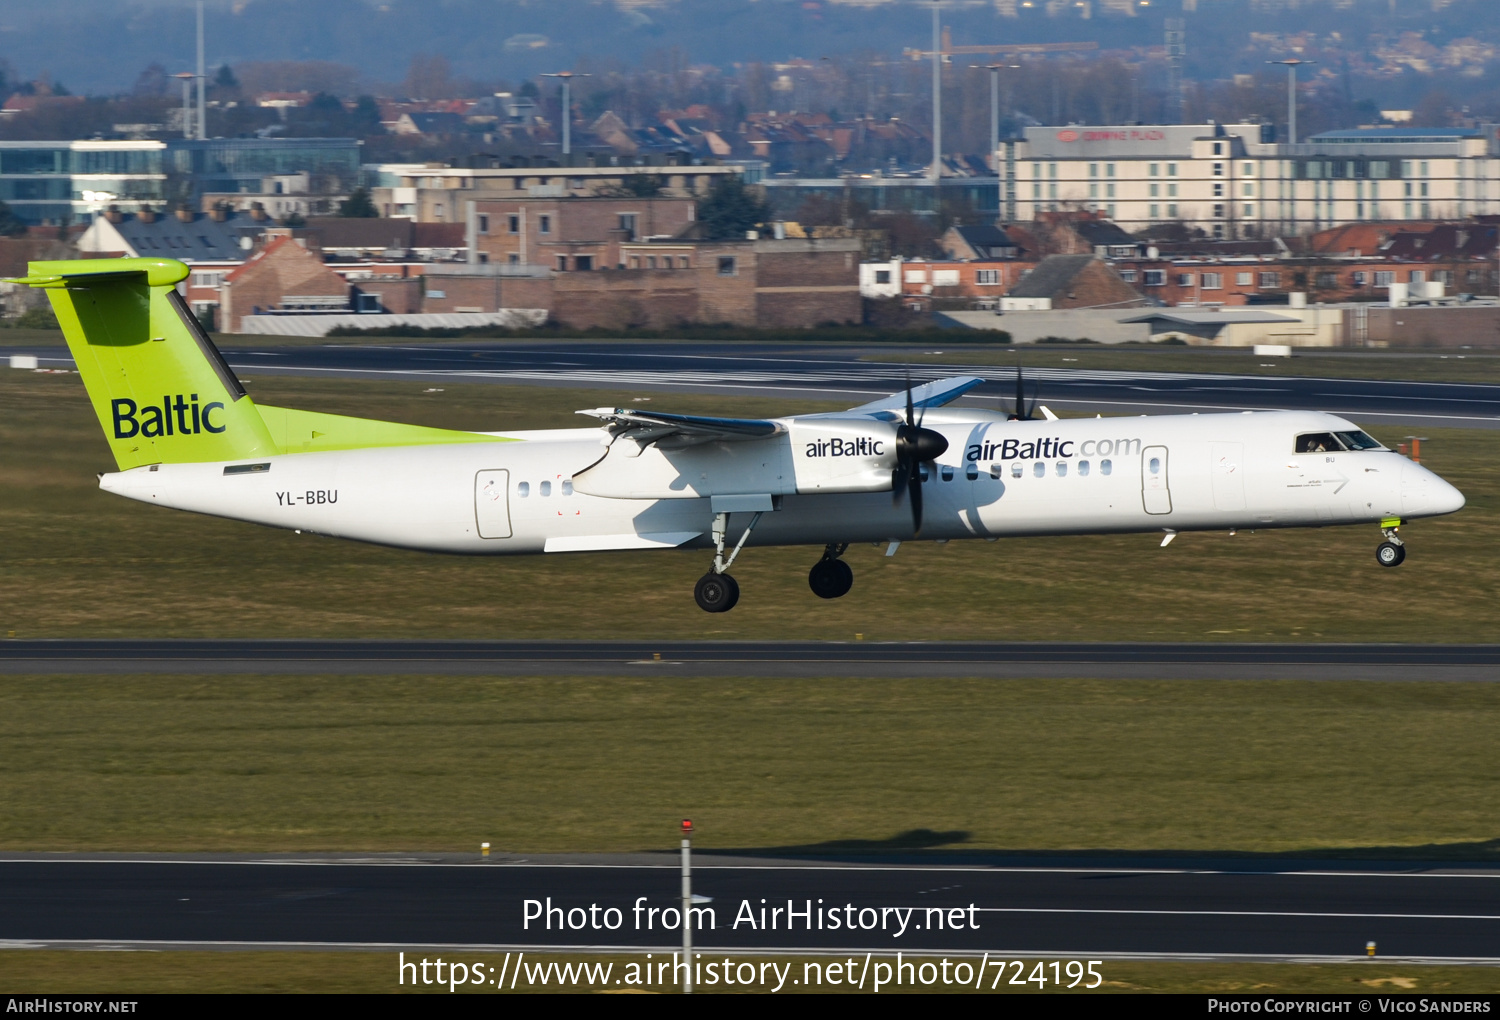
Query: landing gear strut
(1392, 551)
(830, 577)
(716, 591)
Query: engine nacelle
(842, 454)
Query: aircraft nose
(1424, 494)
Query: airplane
(186, 435)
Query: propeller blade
(1021, 395)
(899, 479)
(915, 486)
(910, 413)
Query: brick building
(282, 277)
(791, 283)
(1270, 280)
(1072, 281)
(572, 234)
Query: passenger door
(1225, 467)
(1154, 491)
(492, 503)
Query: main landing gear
(1392, 551)
(716, 591)
(830, 577)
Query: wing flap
(646, 427)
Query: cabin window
(567, 487)
(923, 473)
(1039, 469)
(1062, 469)
(995, 471)
(1155, 468)
(947, 471)
(1083, 469)
(523, 489)
(546, 487)
(1105, 467)
(1015, 470)
(971, 471)
(1317, 442)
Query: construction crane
(950, 50)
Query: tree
(636, 186)
(358, 205)
(153, 81)
(730, 209)
(10, 224)
(225, 79)
(365, 118)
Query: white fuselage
(532, 492)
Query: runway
(807, 659)
(799, 372)
(1100, 909)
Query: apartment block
(1228, 182)
(439, 194)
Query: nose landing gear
(830, 577)
(716, 591)
(1391, 552)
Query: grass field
(609, 764)
(39, 971)
(78, 562)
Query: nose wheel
(830, 577)
(716, 593)
(1391, 552)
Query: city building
(59, 182)
(1229, 181)
(281, 278)
(438, 194)
(1223, 180)
(573, 233)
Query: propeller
(1023, 411)
(914, 446)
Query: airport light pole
(687, 906)
(1291, 95)
(202, 76)
(937, 100)
(186, 77)
(567, 110)
(994, 70)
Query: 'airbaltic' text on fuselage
(1015, 449)
(864, 446)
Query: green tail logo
(161, 389)
(163, 392)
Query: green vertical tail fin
(162, 391)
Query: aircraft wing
(646, 427)
(933, 394)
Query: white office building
(1227, 181)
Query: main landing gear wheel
(830, 579)
(1389, 554)
(716, 593)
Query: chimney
(113, 214)
(258, 212)
(220, 213)
(146, 215)
(184, 214)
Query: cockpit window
(1358, 441)
(1317, 442)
